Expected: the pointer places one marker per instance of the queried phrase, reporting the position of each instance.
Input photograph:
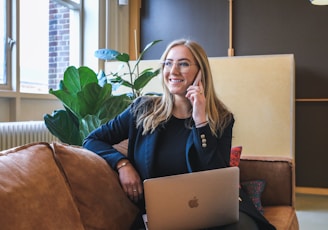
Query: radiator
(14, 134)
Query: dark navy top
(170, 158)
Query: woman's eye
(168, 63)
(184, 64)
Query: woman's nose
(175, 68)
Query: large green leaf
(70, 101)
(144, 78)
(62, 126)
(104, 94)
(87, 99)
(113, 106)
(75, 80)
(92, 98)
(87, 76)
(88, 124)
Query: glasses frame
(176, 64)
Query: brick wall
(59, 37)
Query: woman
(187, 129)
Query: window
(3, 35)
(49, 41)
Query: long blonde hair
(153, 111)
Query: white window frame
(9, 44)
(12, 51)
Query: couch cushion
(282, 217)
(254, 189)
(33, 192)
(96, 189)
(235, 154)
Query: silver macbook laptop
(192, 201)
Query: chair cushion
(95, 188)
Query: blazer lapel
(146, 147)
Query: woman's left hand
(195, 94)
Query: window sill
(11, 94)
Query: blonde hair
(154, 111)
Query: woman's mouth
(176, 80)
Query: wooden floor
(312, 211)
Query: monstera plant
(88, 98)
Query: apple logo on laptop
(193, 203)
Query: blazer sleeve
(208, 151)
(102, 139)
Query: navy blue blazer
(141, 148)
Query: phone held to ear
(197, 78)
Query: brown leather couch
(57, 186)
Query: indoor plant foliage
(88, 100)
(136, 80)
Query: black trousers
(245, 223)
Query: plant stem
(131, 80)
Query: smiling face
(180, 69)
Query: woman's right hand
(130, 181)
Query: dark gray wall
(260, 27)
(205, 21)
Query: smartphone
(197, 78)
(144, 217)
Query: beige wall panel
(259, 90)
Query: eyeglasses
(183, 66)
